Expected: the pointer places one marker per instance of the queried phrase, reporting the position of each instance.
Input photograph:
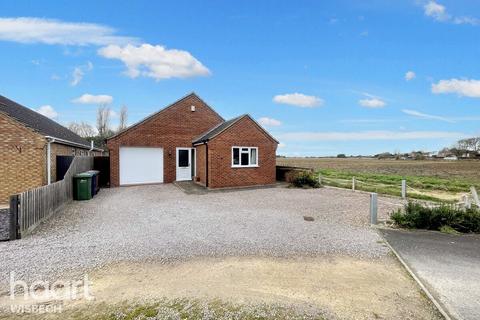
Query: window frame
(239, 165)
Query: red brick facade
(244, 133)
(23, 154)
(172, 127)
(177, 126)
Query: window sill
(240, 167)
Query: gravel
(161, 223)
(4, 224)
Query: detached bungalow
(188, 140)
(29, 144)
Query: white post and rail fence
(28, 209)
(467, 199)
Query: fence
(404, 190)
(31, 207)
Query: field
(431, 180)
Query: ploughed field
(426, 179)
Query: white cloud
(155, 61)
(56, 32)
(93, 99)
(369, 135)
(282, 145)
(436, 11)
(79, 72)
(372, 103)
(47, 111)
(299, 100)
(269, 122)
(410, 75)
(468, 88)
(439, 13)
(421, 115)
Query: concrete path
(448, 265)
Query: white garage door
(141, 165)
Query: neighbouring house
(451, 157)
(29, 145)
(188, 140)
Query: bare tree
(123, 119)
(103, 121)
(83, 129)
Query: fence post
(373, 208)
(466, 201)
(353, 183)
(320, 179)
(404, 188)
(475, 196)
(14, 218)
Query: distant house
(451, 157)
(29, 144)
(188, 140)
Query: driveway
(336, 261)
(449, 265)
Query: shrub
(418, 216)
(303, 179)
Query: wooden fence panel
(40, 203)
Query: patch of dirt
(347, 288)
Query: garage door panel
(141, 165)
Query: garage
(141, 165)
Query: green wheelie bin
(82, 186)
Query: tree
(103, 122)
(341, 155)
(83, 129)
(122, 125)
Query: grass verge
(196, 309)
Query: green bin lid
(83, 175)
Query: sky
(323, 77)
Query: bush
(303, 179)
(418, 216)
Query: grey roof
(216, 130)
(38, 122)
(224, 126)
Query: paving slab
(448, 265)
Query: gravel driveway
(161, 223)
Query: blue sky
(324, 77)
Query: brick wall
(22, 152)
(57, 149)
(23, 155)
(244, 133)
(201, 173)
(175, 126)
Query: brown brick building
(188, 140)
(26, 140)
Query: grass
(391, 184)
(435, 180)
(195, 309)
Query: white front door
(184, 164)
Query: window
(244, 156)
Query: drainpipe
(206, 165)
(91, 148)
(49, 164)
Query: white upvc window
(244, 157)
